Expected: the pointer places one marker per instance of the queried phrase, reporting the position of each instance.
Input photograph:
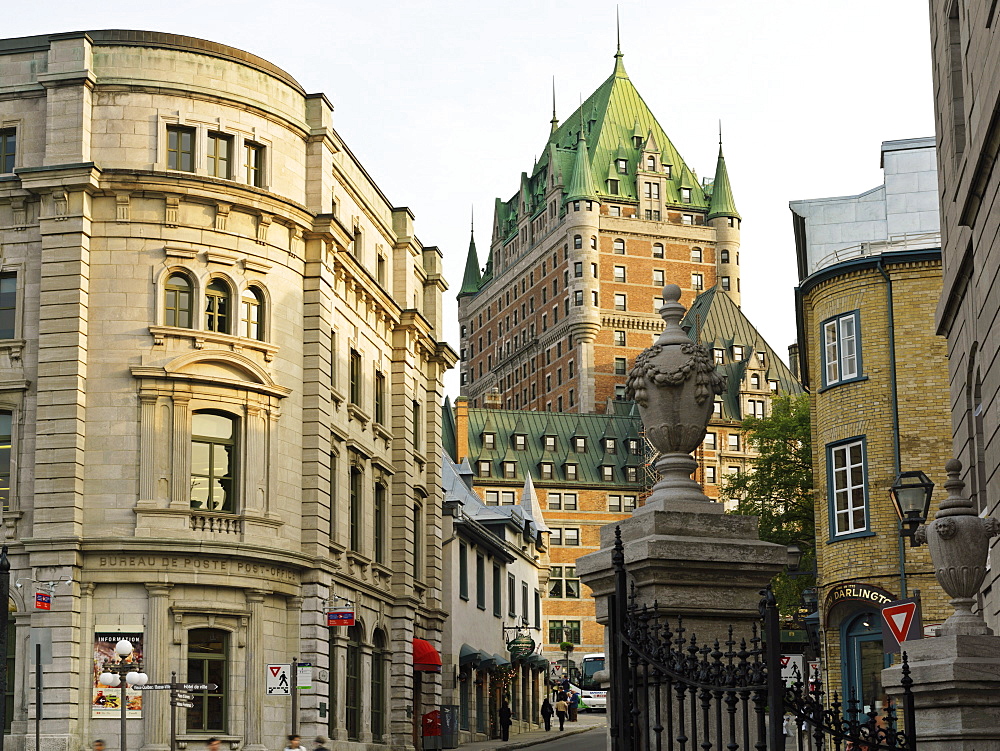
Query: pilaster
(255, 660)
(156, 704)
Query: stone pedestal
(693, 560)
(956, 691)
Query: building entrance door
(865, 660)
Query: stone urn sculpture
(674, 383)
(959, 542)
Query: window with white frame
(507, 498)
(696, 255)
(697, 281)
(734, 441)
(756, 408)
(710, 440)
(619, 337)
(846, 477)
(563, 582)
(619, 273)
(659, 277)
(840, 349)
(621, 302)
(621, 503)
(658, 250)
(618, 247)
(710, 475)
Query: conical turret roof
(470, 282)
(722, 193)
(582, 185)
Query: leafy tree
(778, 489)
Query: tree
(778, 488)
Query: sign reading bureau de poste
(193, 564)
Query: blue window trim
(857, 346)
(830, 501)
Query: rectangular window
(710, 440)
(614, 211)
(546, 470)
(618, 246)
(6, 444)
(571, 473)
(8, 305)
(208, 662)
(621, 503)
(578, 297)
(578, 269)
(710, 476)
(219, 155)
(555, 536)
(757, 408)
(685, 195)
(841, 357)
(355, 510)
(484, 468)
(687, 219)
(8, 149)
(524, 598)
(509, 470)
(380, 398)
(549, 442)
(607, 472)
(354, 389)
(620, 365)
(734, 441)
(571, 536)
(378, 522)
(480, 582)
(725, 283)
(659, 277)
(489, 440)
(658, 250)
(507, 498)
(846, 472)
(555, 501)
(580, 444)
(619, 274)
(520, 442)
(621, 302)
(463, 571)
(254, 157)
(511, 595)
(619, 338)
(497, 592)
(697, 282)
(569, 501)
(563, 582)
(180, 148)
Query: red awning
(425, 658)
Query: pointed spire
(532, 508)
(722, 193)
(582, 185)
(471, 280)
(555, 120)
(619, 65)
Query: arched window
(380, 659)
(755, 380)
(577, 241)
(619, 247)
(213, 461)
(723, 256)
(657, 250)
(177, 302)
(217, 307)
(352, 685)
(651, 163)
(252, 306)
(208, 651)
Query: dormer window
(651, 163)
(718, 356)
(613, 187)
(685, 195)
(571, 472)
(631, 474)
(668, 172)
(520, 442)
(609, 445)
(484, 469)
(580, 445)
(637, 140)
(509, 470)
(489, 440)
(546, 470)
(607, 472)
(633, 446)
(737, 353)
(549, 442)
(622, 165)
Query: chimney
(793, 359)
(461, 428)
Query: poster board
(105, 700)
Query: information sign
(43, 601)
(277, 680)
(304, 676)
(340, 616)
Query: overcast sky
(446, 103)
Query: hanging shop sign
(521, 646)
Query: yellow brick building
(878, 379)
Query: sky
(445, 103)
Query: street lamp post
(123, 674)
(911, 496)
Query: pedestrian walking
(505, 714)
(294, 743)
(561, 708)
(212, 744)
(321, 741)
(574, 705)
(547, 712)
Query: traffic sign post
(901, 622)
(180, 696)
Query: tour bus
(594, 681)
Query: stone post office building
(220, 374)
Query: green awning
(468, 655)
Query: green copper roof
(582, 184)
(610, 120)
(449, 435)
(719, 323)
(722, 203)
(471, 280)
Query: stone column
(180, 463)
(254, 692)
(148, 447)
(156, 648)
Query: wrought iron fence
(671, 691)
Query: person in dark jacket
(547, 712)
(561, 708)
(505, 721)
(574, 705)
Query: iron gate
(671, 692)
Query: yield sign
(901, 622)
(785, 659)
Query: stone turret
(723, 216)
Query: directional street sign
(901, 621)
(185, 704)
(178, 696)
(177, 687)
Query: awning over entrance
(500, 660)
(485, 660)
(425, 658)
(468, 655)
